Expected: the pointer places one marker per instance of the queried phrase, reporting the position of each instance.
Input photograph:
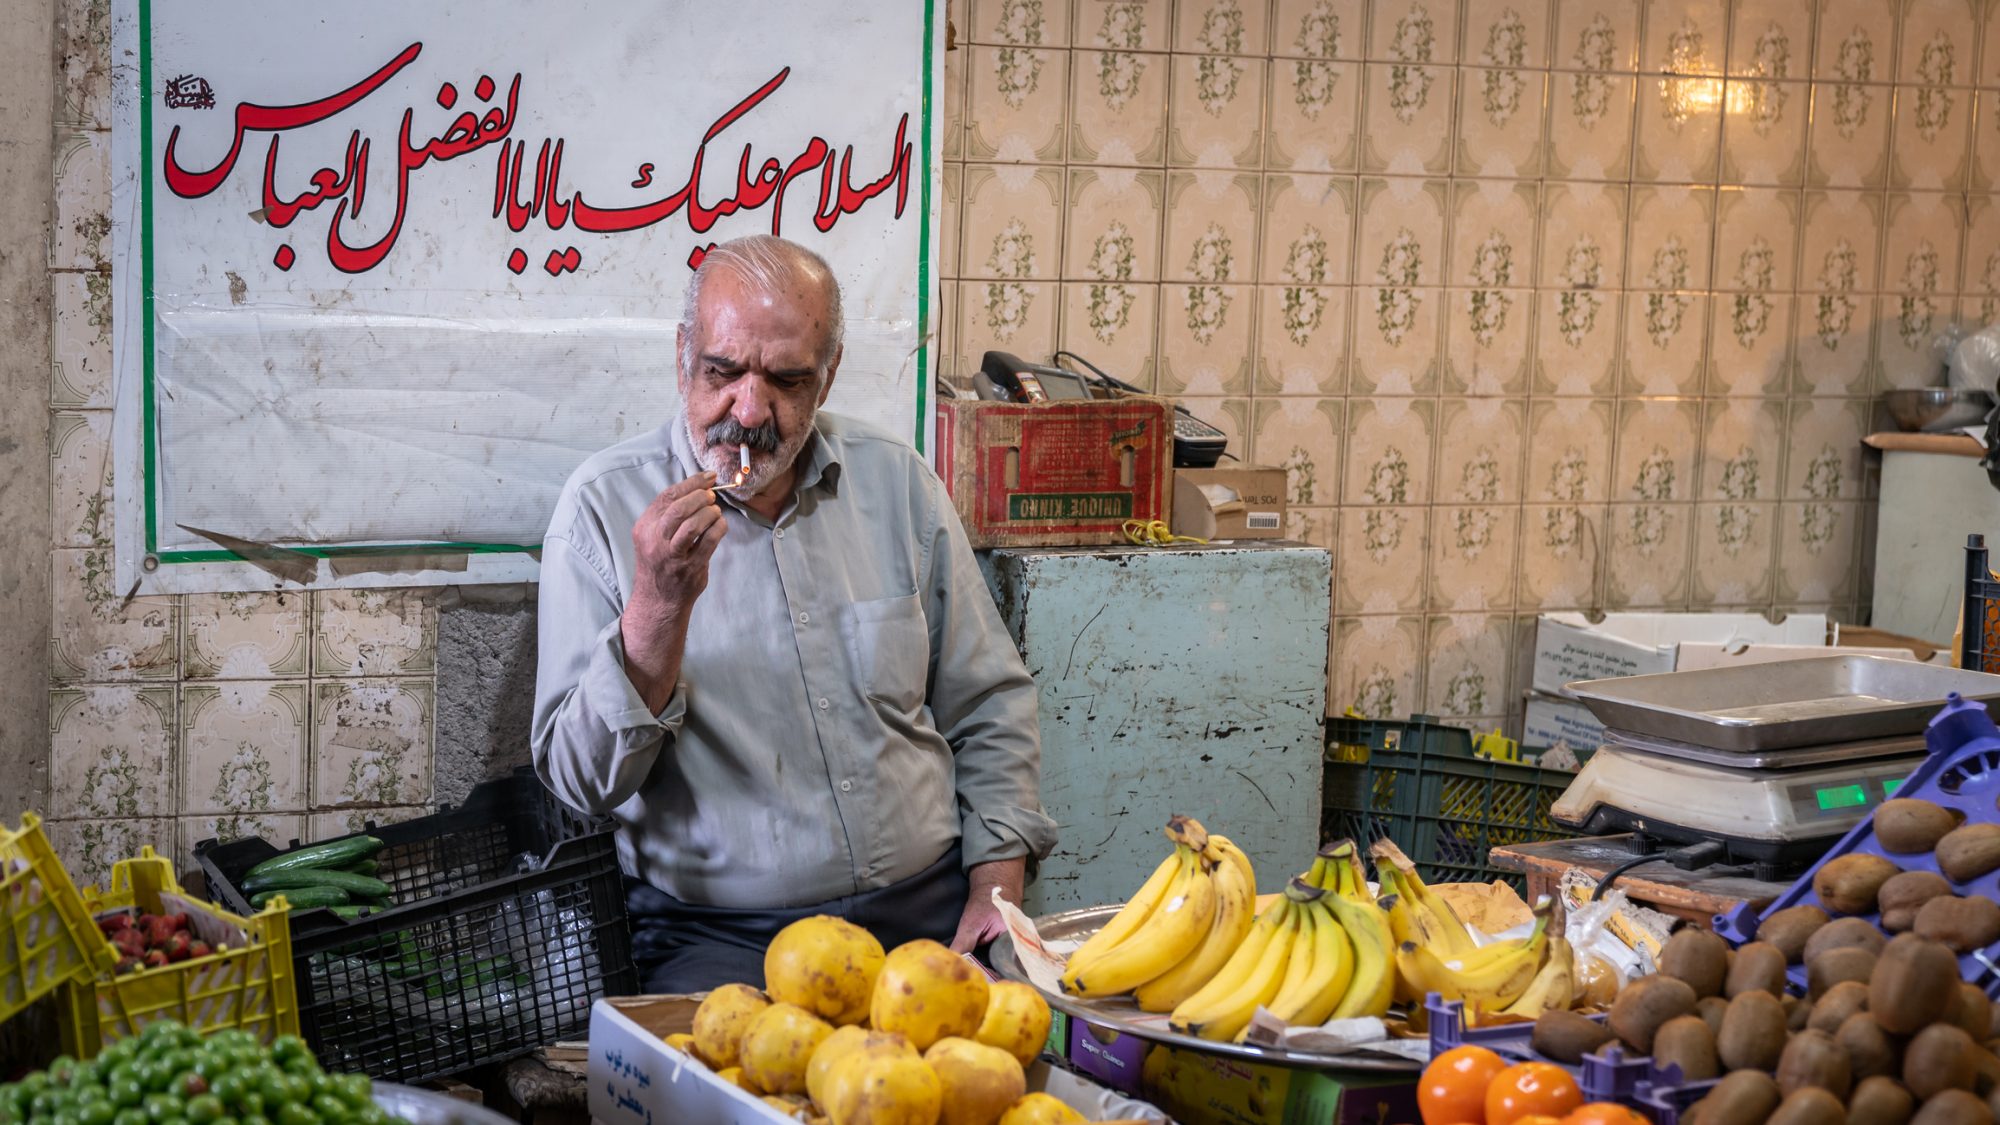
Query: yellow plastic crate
(46, 935)
(249, 987)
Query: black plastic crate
(506, 923)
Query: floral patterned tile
(1743, 446)
(1921, 249)
(1857, 41)
(1389, 451)
(80, 340)
(1816, 550)
(332, 825)
(1012, 223)
(1840, 237)
(1931, 139)
(1750, 336)
(1319, 527)
(82, 236)
(1114, 325)
(111, 752)
(1834, 345)
(1396, 340)
(1315, 115)
(1013, 316)
(1680, 128)
(1569, 451)
(1684, 37)
(1596, 35)
(1406, 115)
(1989, 50)
(243, 748)
(244, 636)
(1230, 415)
(1502, 121)
(371, 743)
(89, 849)
(1670, 236)
(1319, 29)
(1122, 25)
(1576, 342)
(1651, 553)
(1468, 664)
(1473, 563)
(1665, 338)
(1308, 226)
(1023, 23)
(1479, 452)
(1487, 341)
(280, 830)
(1207, 337)
(1512, 34)
(1657, 451)
(1590, 125)
(83, 79)
(80, 472)
(1118, 110)
(1936, 45)
(1113, 224)
(1824, 458)
(1414, 31)
(1981, 280)
(1985, 175)
(1222, 27)
(1764, 132)
(1402, 233)
(1582, 236)
(1734, 554)
(1215, 112)
(1302, 341)
(1303, 437)
(1757, 239)
(1377, 667)
(1771, 39)
(374, 632)
(1907, 327)
(1849, 134)
(1211, 227)
(102, 636)
(1493, 235)
(952, 143)
(951, 220)
(1015, 109)
(1562, 555)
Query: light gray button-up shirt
(849, 702)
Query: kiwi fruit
(1959, 924)
(1845, 933)
(1809, 1105)
(1939, 1058)
(1903, 894)
(1975, 1012)
(1687, 1042)
(1753, 1032)
(1798, 1013)
(1911, 825)
(1953, 1107)
(1710, 1009)
(1645, 1004)
(1870, 1050)
(1743, 1097)
(1841, 1001)
(1758, 966)
(1845, 963)
(1566, 1036)
(1914, 980)
(1968, 851)
(1814, 1058)
(1698, 957)
(1847, 884)
(1880, 1101)
(1789, 929)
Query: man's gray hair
(766, 262)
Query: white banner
(384, 273)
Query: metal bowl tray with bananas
(1121, 1015)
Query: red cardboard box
(1056, 474)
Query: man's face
(755, 380)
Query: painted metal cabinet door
(1179, 681)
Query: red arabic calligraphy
(545, 198)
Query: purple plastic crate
(1666, 1104)
(1962, 773)
(1606, 1075)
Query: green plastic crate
(1418, 783)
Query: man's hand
(673, 540)
(981, 921)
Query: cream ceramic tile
(1816, 551)
(952, 144)
(1396, 340)
(371, 742)
(1319, 527)
(1733, 553)
(1122, 25)
(1823, 457)
(1651, 549)
(1743, 447)
(943, 344)
(1382, 554)
(1985, 174)
(99, 634)
(1010, 316)
(1468, 657)
(1664, 341)
(1211, 227)
(1302, 340)
(1402, 250)
(1684, 37)
(83, 78)
(1319, 29)
(1222, 27)
(1025, 23)
(1308, 230)
(1989, 49)
(89, 849)
(1480, 452)
(1670, 237)
(1590, 125)
(1303, 436)
(1764, 132)
(1114, 223)
(243, 748)
(951, 221)
(1406, 119)
(1920, 254)
(1582, 236)
(1981, 280)
(1315, 112)
(244, 636)
(1206, 337)
(1015, 104)
(280, 830)
(1230, 415)
(1215, 115)
(1115, 325)
(80, 340)
(80, 471)
(1658, 440)
(374, 632)
(1750, 337)
(1596, 35)
(1012, 225)
(1473, 556)
(1502, 123)
(1414, 31)
(111, 752)
(1389, 443)
(1576, 342)
(1569, 451)
(1771, 39)
(1492, 243)
(1562, 555)
(1510, 34)
(81, 239)
(1931, 140)
(1679, 129)
(1834, 344)
(1377, 666)
(1402, 232)
(1841, 236)
(1118, 108)
(1757, 234)
(1487, 341)
(1906, 332)
(1936, 43)
(1849, 135)
(1857, 41)
(332, 825)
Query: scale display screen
(1841, 797)
(1844, 795)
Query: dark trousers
(680, 947)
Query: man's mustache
(729, 431)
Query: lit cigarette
(743, 469)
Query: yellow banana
(1402, 928)
(1219, 1013)
(1438, 924)
(1356, 884)
(1313, 999)
(1490, 977)
(1554, 985)
(1223, 847)
(1169, 934)
(1299, 965)
(1129, 917)
(1374, 981)
(1235, 913)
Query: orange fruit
(1530, 1088)
(1604, 1113)
(1452, 1090)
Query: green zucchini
(360, 886)
(338, 853)
(364, 867)
(303, 898)
(352, 911)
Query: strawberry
(155, 959)
(199, 949)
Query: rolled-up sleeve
(984, 703)
(594, 739)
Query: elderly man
(793, 693)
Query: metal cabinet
(1172, 681)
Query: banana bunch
(1554, 985)
(1422, 916)
(1321, 951)
(1178, 931)
(1489, 978)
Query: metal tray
(1790, 703)
(1122, 1016)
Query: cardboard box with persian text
(1246, 502)
(1059, 474)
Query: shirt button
(847, 787)
(822, 702)
(778, 534)
(805, 618)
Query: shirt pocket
(889, 649)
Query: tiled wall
(1544, 303)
